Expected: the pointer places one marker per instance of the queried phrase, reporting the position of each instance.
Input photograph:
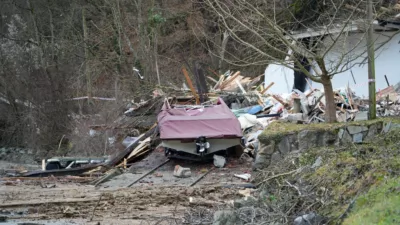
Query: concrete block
(182, 172)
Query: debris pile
(246, 98)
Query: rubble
(246, 101)
(182, 172)
(306, 219)
(245, 176)
(219, 161)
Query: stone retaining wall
(273, 148)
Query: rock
(308, 139)
(341, 133)
(284, 146)
(372, 132)
(295, 117)
(308, 219)
(263, 156)
(190, 191)
(356, 129)
(328, 138)
(182, 172)
(276, 158)
(219, 161)
(387, 127)
(294, 143)
(225, 217)
(317, 162)
(358, 138)
(346, 137)
(244, 202)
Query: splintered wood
(233, 82)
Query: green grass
(380, 206)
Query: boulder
(386, 127)
(263, 156)
(182, 172)
(317, 163)
(347, 138)
(309, 219)
(372, 132)
(341, 133)
(358, 138)
(328, 138)
(295, 117)
(308, 139)
(284, 146)
(219, 161)
(356, 129)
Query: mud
(164, 175)
(158, 197)
(82, 204)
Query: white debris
(245, 176)
(219, 161)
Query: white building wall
(387, 63)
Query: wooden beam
(221, 79)
(190, 85)
(226, 83)
(212, 79)
(212, 71)
(268, 87)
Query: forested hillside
(52, 51)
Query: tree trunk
(330, 110)
(225, 38)
(371, 65)
(85, 46)
(156, 57)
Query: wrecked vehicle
(196, 132)
(57, 163)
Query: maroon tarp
(212, 122)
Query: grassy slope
(367, 171)
(354, 170)
(381, 205)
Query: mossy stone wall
(281, 138)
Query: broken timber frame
(190, 85)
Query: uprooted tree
(297, 35)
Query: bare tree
(298, 35)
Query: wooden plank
(155, 168)
(146, 141)
(212, 79)
(121, 155)
(242, 89)
(232, 87)
(255, 80)
(260, 100)
(201, 177)
(221, 79)
(278, 98)
(268, 87)
(212, 71)
(190, 85)
(226, 83)
(61, 172)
